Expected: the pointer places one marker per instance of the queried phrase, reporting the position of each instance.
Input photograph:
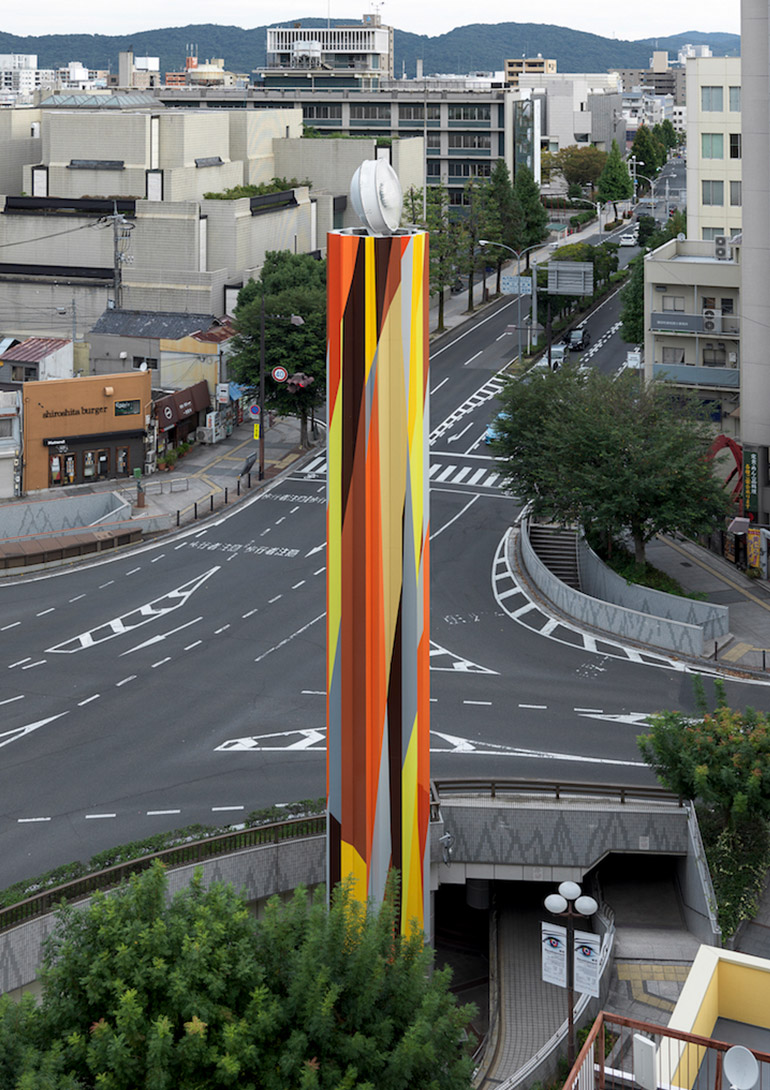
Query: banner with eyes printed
(587, 948)
(553, 940)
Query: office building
(714, 148)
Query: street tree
(580, 166)
(194, 994)
(289, 284)
(618, 459)
(474, 225)
(443, 256)
(632, 304)
(614, 183)
(413, 207)
(505, 223)
(646, 152)
(533, 214)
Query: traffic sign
(256, 430)
(516, 285)
(280, 374)
(254, 410)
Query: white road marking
(314, 692)
(224, 628)
(454, 438)
(44, 611)
(477, 476)
(180, 546)
(595, 711)
(191, 645)
(459, 514)
(484, 702)
(317, 549)
(125, 681)
(20, 662)
(280, 520)
(15, 623)
(15, 733)
(293, 636)
(26, 821)
(298, 585)
(159, 637)
(222, 809)
(446, 472)
(201, 533)
(11, 699)
(77, 599)
(271, 600)
(96, 817)
(320, 571)
(293, 510)
(134, 570)
(249, 614)
(265, 531)
(160, 662)
(82, 703)
(472, 359)
(161, 813)
(437, 388)
(540, 706)
(32, 665)
(109, 584)
(157, 558)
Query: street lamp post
(571, 903)
(518, 254)
(295, 319)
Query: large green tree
(583, 447)
(580, 165)
(194, 994)
(289, 284)
(474, 225)
(533, 215)
(443, 257)
(632, 304)
(646, 152)
(614, 182)
(506, 223)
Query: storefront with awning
(179, 413)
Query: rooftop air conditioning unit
(722, 248)
(712, 320)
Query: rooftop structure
(353, 55)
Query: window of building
(736, 195)
(434, 141)
(456, 197)
(712, 99)
(370, 112)
(710, 233)
(713, 192)
(727, 306)
(6, 427)
(312, 113)
(433, 169)
(673, 302)
(470, 140)
(673, 355)
(736, 144)
(735, 100)
(470, 170)
(713, 145)
(469, 113)
(416, 113)
(152, 364)
(714, 357)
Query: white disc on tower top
(376, 195)
(740, 1068)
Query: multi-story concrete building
(583, 109)
(517, 67)
(358, 55)
(660, 78)
(714, 147)
(692, 304)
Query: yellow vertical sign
(256, 430)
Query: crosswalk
(470, 475)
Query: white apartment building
(714, 147)
(578, 108)
(20, 75)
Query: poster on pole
(587, 950)
(553, 941)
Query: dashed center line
(26, 821)
(11, 699)
(77, 599)
(191, 645)
(594, 711)
(265, 531)
(103, 585)
(224, 628)
(32, 665)
(320, 570)
(221, 809)
(298, 585)
(538, 706)
(157, 558)
(95, 817)
(161, 813)
(280, 520)
(44, 611)
(180, 546)
(271, 600)
(484, 702)
(161, 661)
(249, 614)
(313, 692)
(20, 662)
(294, 509)
(125, 681)
(134, 571)
(82, 703)
(7, 626)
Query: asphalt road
(183, 681)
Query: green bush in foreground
(194, 994)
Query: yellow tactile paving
(638, 974)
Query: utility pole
(121, 240)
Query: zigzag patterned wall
(378, 701)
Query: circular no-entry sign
(254, 410)
(280, 374)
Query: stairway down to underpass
(556, 547)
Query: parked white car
(628, 239)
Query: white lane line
(125, 681)
(437, 388)
(82, 703)
(20, 662)
(32, 665)
(592, 711)
(224, 628)
(161, 661)
(134, 570)
(280, 520)
(321, 489)
(288, 639)
(96, 817)
(161, 813)
(7, 626)
(294, 509)
(77, 599)
(434, 700)
(486, 703)
(222, 809)
(454, 519)
(180, 546)
(310, 692)
(249, 614)
(191, 645)
(472, 358)
(26, 821)
(271, 600)
(542, 707)
(265, 531)
(11, 699)
(157, 558)
(103, 585)
(298, 585)
(320, 570)
(200, 533)
(44, 611)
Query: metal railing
(443, 789)
(180, 856)
(623, 1052)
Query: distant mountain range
(480, 47)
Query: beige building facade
(714, 147)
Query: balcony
(677, 321)
(724, 378)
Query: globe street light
(518, 254)
(571, 903)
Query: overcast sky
(606, 17)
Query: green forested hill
(479, 47)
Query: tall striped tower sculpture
(378, 701)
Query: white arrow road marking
(158, 607)
(454, 438)
(159, 637)
(317, 549)
(632, 718)
(9, 736)
(454, 662)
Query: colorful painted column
(378, 699)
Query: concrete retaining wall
(601, 582)
(671, 635)
(60, 514)
(695, 888)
